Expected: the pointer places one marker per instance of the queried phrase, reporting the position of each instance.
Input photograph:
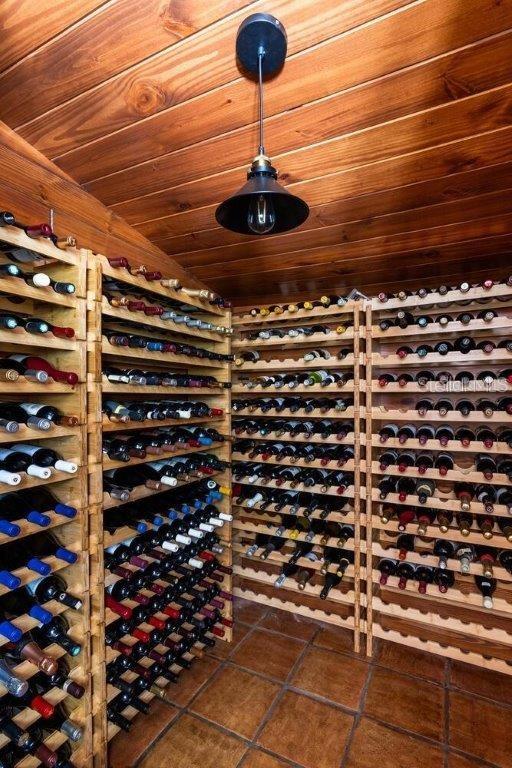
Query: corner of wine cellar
(255, 384)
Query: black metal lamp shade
(262, 206)
(290, 211)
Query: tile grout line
(286, 686)
(358, 715)
(447, 679)
(182, 710)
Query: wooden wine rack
(102, 315)
(70, 442)
(454, 624)
(254, 578)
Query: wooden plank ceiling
(391, 118)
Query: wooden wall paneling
(402, 205)
(401, 119)
(178, 127)
(417, 88)
(117, 35)
(342, 254)
(30, 185)
(169, 79)
(394, 173)
(431, 266)
(24, 28)
(489, 110)
(403, 225)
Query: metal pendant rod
(261, 54)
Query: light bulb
(261, 216)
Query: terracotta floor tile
(485, 682)
(335, 639)
(307, 732)
(415, 705)
(222, 650)
(289, 624)
(376, 746)
(257, 759)
(237, 700)
(456, 761)
(191, 680)
(268, 654)
(411, 661)
(125, 749)
(247, 611)
(335, 676)
(480, 728)
(192, 743)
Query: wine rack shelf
(348, 466)
(476, 417)
(474, 357)
(141, 356)
(143, 493)
(315, 339)
(129, 426)
(316, 315)
(259, 390)
(250, 522)
(500, 291)
(112, 464)
(457, 474)
(451, 446)
(345, 514)
(153, 287)
(290, 364)
(454, 328)
(144, 389)
(330, 440)
(20, 337)
(152, 323)
(423, 557)
(348, 413)
(456, 622)
(102, 315)
(254, 528)
(49, 354)
(258, 576)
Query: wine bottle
(31, 363)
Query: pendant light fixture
(261, 206)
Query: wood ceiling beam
(446, 79)
(170, 78)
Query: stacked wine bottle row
(439, 495)
(159, 448)
(296, 495)
(45, 692)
